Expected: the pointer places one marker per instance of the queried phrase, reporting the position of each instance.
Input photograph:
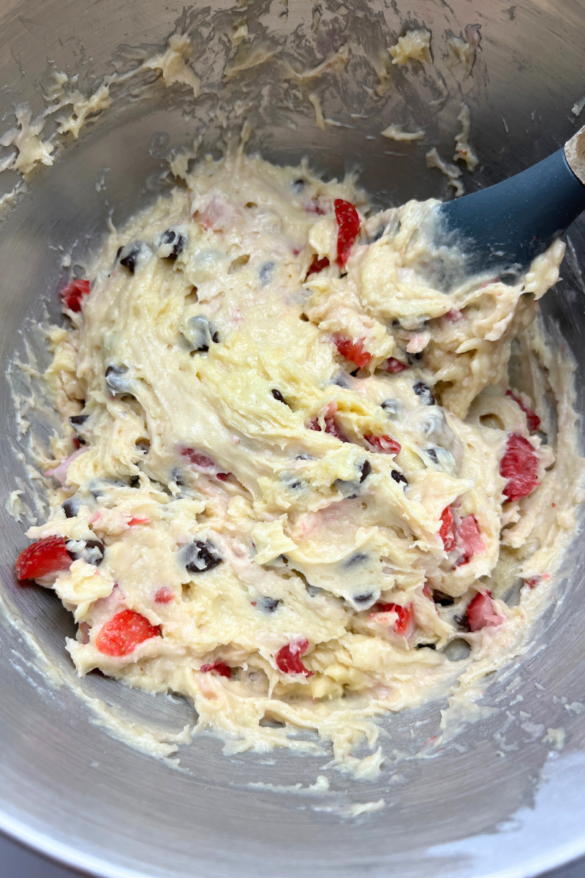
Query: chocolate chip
(269, 604)
(91, 551)
(71, 507)
(356, 558)
(365, 469)
(398, 477)
(391, 407)
(426, 646)
(365, 598)
(129, 256)
(423, 391)
(176, 240)
(200, 332)
(201, 556)
(115, 382)
(444, 600)
(278, 395)
(135, 481)
(462, 622)
(80, 440)
(432, 454)
(78, 420)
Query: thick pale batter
(294, 479)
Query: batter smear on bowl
(291, 472)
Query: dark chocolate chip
(178, 241)
(135, 481)
(426, 646)
(200, 332)
(398, 477)
(462, 622)
(391, 406)
(432, 454)
(444, 600)
(80, 440)
(201, 556)
(71, 507)
(278, 395)
(356, 558)
(92, 553)
(269, 604)
(78, 420)
(365, 598)
(424, 392)
(116, 383)
(366, 469)
(128, 260)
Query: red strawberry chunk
(352, 350)
(196, 458)
(404, 625)
(532, 418)
(137, 520)
(469, 541)
(394, 366)
(288, 658)
(223, 477)
(73, 294)
(348, 221)
(317, 265)
(331, 425)
(454, 315)
(519, 466)
(447, 529)
(383, 444)
(481, 612)
(124, 632)
(164, 595)
(218, 667)
(48, 555)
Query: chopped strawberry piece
(197, 458)
(48, 555)
(72, 295)
(532, 582)
(383, 444)
(223, 477)
(454, 315)
(218, 667)
(317, 265)
(481, 612)
(447, 530)
(532, 418)
(124, 632)
(331, 425)
(404, 625)
(469, 540)
(348, 221)
(519, 466)
(352, 350)
(164, 595)
(136, 520)
(288, 658)
(314, 207)
(394, 366)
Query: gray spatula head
(499, 230)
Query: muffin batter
(292, 476)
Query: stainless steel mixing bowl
(498, 800)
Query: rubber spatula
(499, 230)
